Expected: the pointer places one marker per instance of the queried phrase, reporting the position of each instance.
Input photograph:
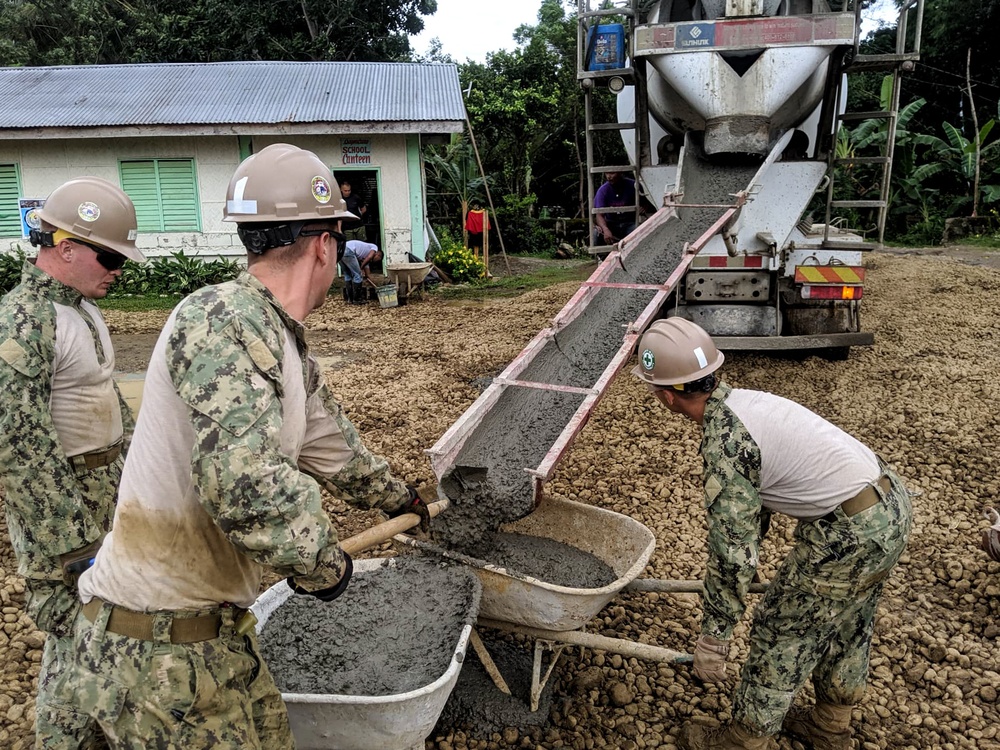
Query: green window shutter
(164, 192)
(10, 191)
(178, 195)
(139, 181)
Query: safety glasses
(112, 261)
(340, 237)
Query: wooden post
(465, 218)
(486, 241)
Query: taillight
(831, 292)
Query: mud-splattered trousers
(817, 616)
(240, 432)
(150, 694)
(57, 400)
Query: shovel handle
(386, 530)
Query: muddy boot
(825, 727)
(731, 736)
(360, 294)
(347, 292)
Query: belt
(139, 625)
(96, 459)
(863, 500)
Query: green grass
(140, 303)
(512, 286)
(986, 241)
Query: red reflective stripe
(724, 261)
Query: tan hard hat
(96, 211)
(676, 351)
(283, 184)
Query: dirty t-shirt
(236, 435)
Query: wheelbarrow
(400, 721)
(408, 276)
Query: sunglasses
(338, 236)
(111, 261)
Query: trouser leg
(818, 613)
(53, 606)
(156, 694)
(58, 725)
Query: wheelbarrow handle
(386, 530)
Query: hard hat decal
(647, 359)
(132, 234)
(700, 356)
(238, 205)
(321, 189)
(89, 211)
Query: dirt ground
(925, 397)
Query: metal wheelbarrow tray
(362, 722)
(406, 276)
(508, 596)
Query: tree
(525, 108)
(80, 32)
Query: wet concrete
(525, 422)
(394, 630)
(478, 707)
(550, 561)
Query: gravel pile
(925, 397)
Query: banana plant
(957, 154)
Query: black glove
(332, 592)
(415, 504)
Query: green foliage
(457, 261)
(526, 109)
(10, 269)
(178, 274)
(173, 276)
(78, 32)
(521, 230)
(453, 179)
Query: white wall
(47, 163)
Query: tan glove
(710, 659)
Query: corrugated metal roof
(228, 93)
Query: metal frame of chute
(445, 451)
(898, 62)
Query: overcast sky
(468, 29)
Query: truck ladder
(597, 83)
(902, 60)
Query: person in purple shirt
(617, 191)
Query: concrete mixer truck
(717, 90)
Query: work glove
(329, 593)
(417, 503)
(991, 536)
(710, 659)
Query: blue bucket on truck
(606, 47)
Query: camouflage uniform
(47, 345)
(236, 436)
(818, 613)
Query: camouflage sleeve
(128, 420)
(268, 509)
(46, 512)
(732, 499)
(335, 456)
